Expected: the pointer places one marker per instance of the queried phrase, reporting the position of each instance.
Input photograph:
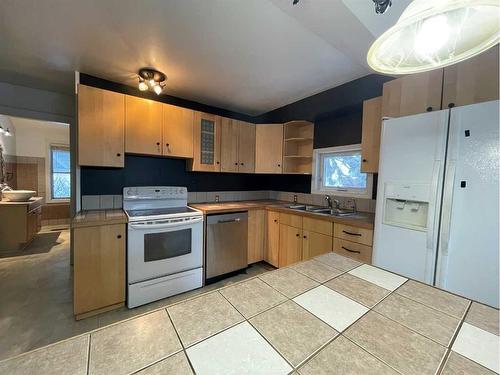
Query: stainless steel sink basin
(335, 212)
(302, 207)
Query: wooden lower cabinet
(256, 235)
(354, 234)
(99, 268)
(290, 245)
(353, 250)
(271, 253)
(314, 244)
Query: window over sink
(337, 171)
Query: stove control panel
(154, 192)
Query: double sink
(322, 210)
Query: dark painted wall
(145, 170)
(337, 114)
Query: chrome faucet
(331, 202)
(352, 203)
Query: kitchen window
(337, 171)
(60, 177)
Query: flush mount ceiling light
(152, 79)
(431, 34)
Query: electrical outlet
(295, 198)
(216, 198)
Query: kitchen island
(330, 314)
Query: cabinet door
(143, 126)
(246, 147)
(268, 148)
(229, 145)
(314, 244)
(206, 144)
(177, 131)
(472, 81)
(99, 267)
(256, 235)
(290, 245)
(370, 140)
(101, 127)
(271, 254)
(412, 94)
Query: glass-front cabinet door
(207, 133)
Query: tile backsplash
(95, 202)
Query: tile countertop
(326, 315)
(93, 218)
(362, 219)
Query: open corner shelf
(298, 147)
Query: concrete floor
(37, 296)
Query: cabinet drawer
(292, 220)
(318, 226)
(353, 250)
(354, 234)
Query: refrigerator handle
(447, 205)
(432, 219)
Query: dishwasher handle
(236, 220)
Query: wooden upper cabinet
(268, 148)
(143, 126)
(229, 145)
(412, 94)
(101, 127)
(206, 143)
(472, 81)
(370, 140)
(177, 131)
(246, 147)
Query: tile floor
(37, 290)
(259, 326)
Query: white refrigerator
(437, 214)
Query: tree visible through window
(60, 172)
(343, 171)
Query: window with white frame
(60, 177)
(337, 171)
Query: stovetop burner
(160, 211)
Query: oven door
(164, 247)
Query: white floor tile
(378, 277)
(239, 350)
(331, 307)
(478, 345)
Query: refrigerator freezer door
(411, 156)
(468, 257)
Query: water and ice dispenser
(406, 205)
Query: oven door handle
(165, 225)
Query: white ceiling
(250, 56)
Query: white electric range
(164, 243)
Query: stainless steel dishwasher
(226, 245)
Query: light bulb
(152, 82)
(143, 86)
(157, 89)
(433, 34)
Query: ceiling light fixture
(432, 34)
(152, 79)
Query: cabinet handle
(118, 154)
(242, 163)
(351, 234)
(275, 220)
(157, 143)
(119, 236)
(297, 235)
(279, 165)
(305, 236)
(351, 251)
(235, 163)
(451, 105)
(217, 162)
(429, 109)
(364, 160)
(168, 144)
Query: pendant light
(431, 34)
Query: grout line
(88, 357)
(179, 338)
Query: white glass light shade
(143, 86)
(431, 34)
(157, 89)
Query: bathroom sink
(18, 195)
